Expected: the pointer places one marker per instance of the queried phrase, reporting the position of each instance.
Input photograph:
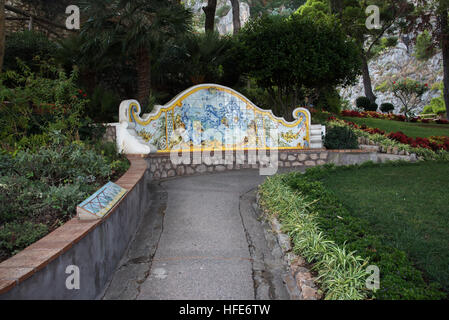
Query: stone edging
(301, 280)
(367, 144)
(19, 268)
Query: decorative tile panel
(214, 117)
(101, 202)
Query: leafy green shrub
(103, 105)
(63, 163)
(437, 105)
(329, 100)
(276, 52)
(26, 46)
(372, 107)
(320, 117)
(424, 49)
(363, 103)
(389, 42)
(32, 104)
(386, 107)
(46, 185)
(340, 138)
(384, 43)
(17, 236)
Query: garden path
(202, 239)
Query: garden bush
(372, 107)
(26, 46)
(437, 104)
(39, 190)
(35, 103)
(424, 49)
(363, 103)
(340, 138)
(386, 107)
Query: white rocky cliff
(223, 16)
(395, 64)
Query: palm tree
(135, 27)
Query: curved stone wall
(94, 247)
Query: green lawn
(414, 130)
(406, 205)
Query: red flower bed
(351, 113)
(433, 143)
(419, 142)
(378, 115)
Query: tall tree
(136, 28)
(209, 11)
(2, 33)
(432, 15)
(236, 15)
(353, 19)
(444, 31)
(391, 14)
(277, 51)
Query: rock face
(398, 63)
(223, 17)
(225, 24)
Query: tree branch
(42, 20)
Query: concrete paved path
(201, 239)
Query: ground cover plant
(341, 273)
(342, 204)
(405, 234)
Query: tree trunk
(445, 51)
(210, 15)
(143, 76)
(367, 80)
(236, 15)
(2, 33)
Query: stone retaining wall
(369, 145)
(94, 246)
(161, 166)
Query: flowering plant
(408, 91)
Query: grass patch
(406, 205)
(392, 214)
(423, 130)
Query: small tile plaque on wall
(98, 205)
